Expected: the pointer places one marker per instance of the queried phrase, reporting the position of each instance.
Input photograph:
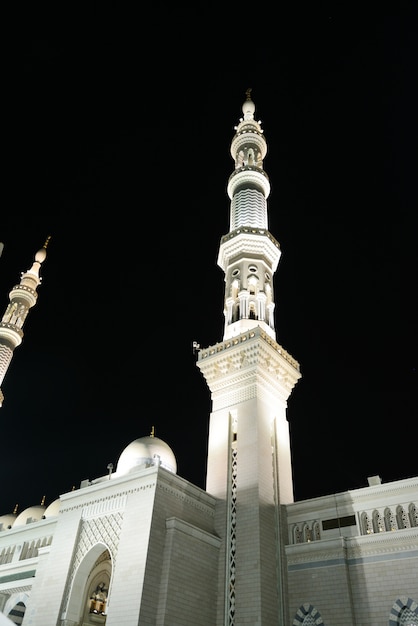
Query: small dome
(40, 256)
(145, 452)
(53, 509)
(7, 520)
(248, 108)
(33, 514)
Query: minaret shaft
(251, 372)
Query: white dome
(34, 513)
(7, 520)
(53, 509)
(145, 452)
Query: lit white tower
(250, 377)
(22, 297)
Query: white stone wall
(43, 608)
(378, 584)
(129, 566)
(182, 561)
(188, 590)
(352, 580)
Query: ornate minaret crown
(248, 254)
(22, 297)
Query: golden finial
(46, 242)
(248, 93)
(43, 501)
(15, 509)
(152, 431)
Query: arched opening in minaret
(252, 284)
(234, 289)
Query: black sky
(118, 129)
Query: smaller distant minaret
(22, 297)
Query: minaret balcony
(11, 333)
(248, 176)
(248, 137)
(258, 242)
(23, 293)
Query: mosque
(141, 545)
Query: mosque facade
(141, 545)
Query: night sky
(117, 135)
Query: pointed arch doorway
(89, 594)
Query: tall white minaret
(22, 297)
(250, 377)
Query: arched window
(366, 526)
(404, 613)
(316, 531)
(240, 159)
(307, 615)
(401, 517)
(17, 613)
(306, 533)
(7, 555)
(377, 522)
(235, 286)
(250, 157)
(390, 521)
(413, 515)
(252, 284)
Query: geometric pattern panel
(232, 538)
(105, 529)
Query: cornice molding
(252, 358)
